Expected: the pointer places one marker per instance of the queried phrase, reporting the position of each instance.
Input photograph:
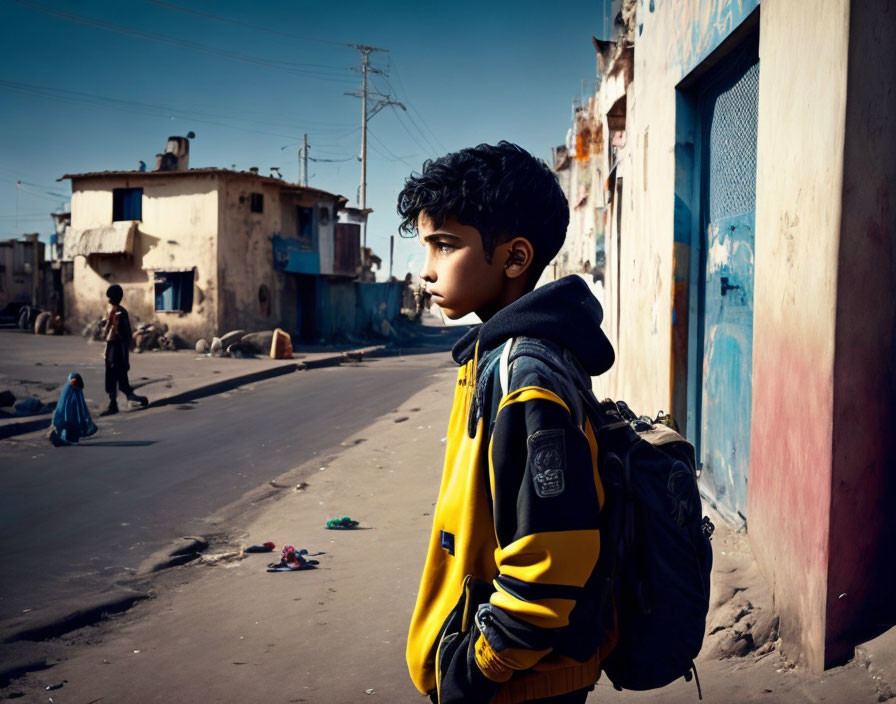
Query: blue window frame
(174, 290)
(127, 204)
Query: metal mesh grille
(732, 148)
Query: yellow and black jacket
(505, 612)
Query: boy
(117, 334)
(505, 612)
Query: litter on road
(344, 523)
(293, 561)
(264, 547)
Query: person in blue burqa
(72, 420)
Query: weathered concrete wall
(377, 303)
(863, 522)
(357, 308)
(245, 256)
(630, 211)
(337, 312)
(582, 182)
(690, 31)
(824, 316)
(177, 233)
(17, 275)
(246, 253)
(798, 212)
(326, 228)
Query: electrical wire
(240, 23)
(130, 106)
(410, 134)
(394, 156)
(193, 46)
(407, 100)
(431, 149)
(17, 174)
(46, 195)
(332, 161)
(22, 182)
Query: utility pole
(304, 162)
(391, 252)
(383, 101)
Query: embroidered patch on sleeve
(447, 541)
(547, 462)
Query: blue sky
(100, 84)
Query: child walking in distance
(505, 612)
(117, 334)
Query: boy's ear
(519, 257)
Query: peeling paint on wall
(697, 27)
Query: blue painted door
(728, 109)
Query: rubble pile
(240, 344)
(146, 336)
(155, 336)
(40, 321)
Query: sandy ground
(225, 630)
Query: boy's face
(456, 271)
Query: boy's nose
(427, 273)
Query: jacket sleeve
(545, 488)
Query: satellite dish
(191, 134)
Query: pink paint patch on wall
(789, 489)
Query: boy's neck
(513, 291)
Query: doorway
(306, 307)
(727, 109)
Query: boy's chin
(454, 314)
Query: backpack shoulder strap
(504, 368)
(567, 387)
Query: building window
(305, 226)
(256, 202)
(127, 204)
(174, 291)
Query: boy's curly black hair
(502, 190)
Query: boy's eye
(445, 247)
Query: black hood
(564, 312)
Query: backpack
(653, 570)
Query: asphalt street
(76, 519)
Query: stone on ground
(232, 338)
(258, 342)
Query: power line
(435, 151)
(193, 46)
(189, 112)
(413, 137)
(332, 161)
(412, 106)
(17, 173)
(431, 149)
(34, 185)
(394, 156)
(240, 23)
(23, 186)
(133, 106)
